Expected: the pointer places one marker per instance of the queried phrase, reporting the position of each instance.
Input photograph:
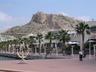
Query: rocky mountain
(43, 22)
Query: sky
(19, 12)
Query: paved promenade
(50, 65)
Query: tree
(49, 36)
(56, 38)
(39, 38)
(3, 45)
(32, 39)
(25, 40)
(81, 28)
(16, 41)
(63, 37)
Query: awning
(73, 42)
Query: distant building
(6, 37)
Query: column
(94, 51)
(13, 48)
(44, 49)
(56, 48)
(40, 49)
(89, 50)
(35, 50)
(81, 43)
(72, 51)
(9, 48)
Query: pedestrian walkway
(51, 65)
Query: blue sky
(19, 12)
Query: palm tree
(81, 28)
(32, 39)
(25, 40)
(14, 43)
(56, 38)
(3, 45)
(63, 37)
(49, 36)
(9, 43)
(39, 38)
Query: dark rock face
(42, 22)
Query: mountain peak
(44, 22)
(39, 17)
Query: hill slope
(43, 22)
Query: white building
(6, 37)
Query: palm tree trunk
(82, 42)
(63, 48)
(56, 48)
(50, 46)
(40, 49)
(9, 48)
